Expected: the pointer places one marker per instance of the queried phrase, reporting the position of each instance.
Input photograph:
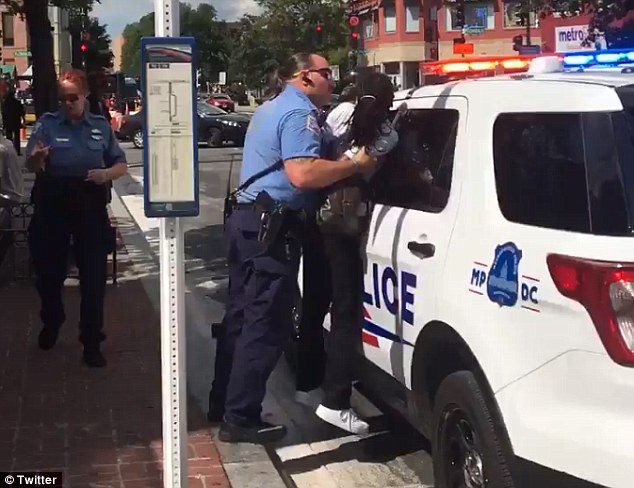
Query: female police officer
(281, 172)
(74, 154)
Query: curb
(246, 465)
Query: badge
(96, 138)
(62, 139)
(503, 280)
(312, 124)
(96, 131)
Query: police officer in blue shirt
(282, 172)
(74, 154)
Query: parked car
(222, 101)
(215, 126)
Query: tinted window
(417, 174)
(540, 171)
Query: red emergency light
(478, 66)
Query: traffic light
(320, 30)
(517, 43)
(83, 47)
(354, 40)
(460, 16)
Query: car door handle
(425, 250)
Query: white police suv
(499, 292)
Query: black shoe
(47, 338)
(261, 433)
(93, 357)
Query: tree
(132, 34)
(35, 13)
(285, 27)
(202, 23)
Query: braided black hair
(376, 94)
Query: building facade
(15, 43)
(397, 35)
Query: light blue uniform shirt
(76, 147)
(283, 128)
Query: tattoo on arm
(301, 161)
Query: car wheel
(291, 351)
(214, 138)
(470, 444)
(137, 139)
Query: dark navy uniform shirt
(76, 147)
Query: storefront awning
(7, 69)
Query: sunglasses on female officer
(71, 97)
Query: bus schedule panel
(170, 149)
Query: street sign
(170, 116)
(354, 21)
(534, 49)
(222, 78)
(22, 54)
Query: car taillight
(124, 121)
(606, 290)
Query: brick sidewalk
(101, 427)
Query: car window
(418, 173)
(540, 172)
(207, 109)
(221, 97)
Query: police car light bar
(502, 64)
(607, 57)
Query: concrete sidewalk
(102, 428)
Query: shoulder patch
(312, 124)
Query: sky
(118, 13)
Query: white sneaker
(310, 398)
(347, 420)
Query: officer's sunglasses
(324, 72)
(72, 98)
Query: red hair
(77, 77)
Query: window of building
(412, 14)
(418, 173)
(540, 172)
(513, 19)
(478, 15)
(368, 26)
(7, 30)
(389, 14)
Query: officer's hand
(385, 142)
(365, 161)
(98, 176)
(40, 152)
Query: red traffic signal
(355, 35)
(319, 28)
(84, 47)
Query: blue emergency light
(606, 57)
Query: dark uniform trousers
(333, 275)
(257, 324)
(65, 208)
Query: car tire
(137, 139)
(291, 352)
(469, 441)
(214, 137)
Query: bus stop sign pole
(170, 173)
